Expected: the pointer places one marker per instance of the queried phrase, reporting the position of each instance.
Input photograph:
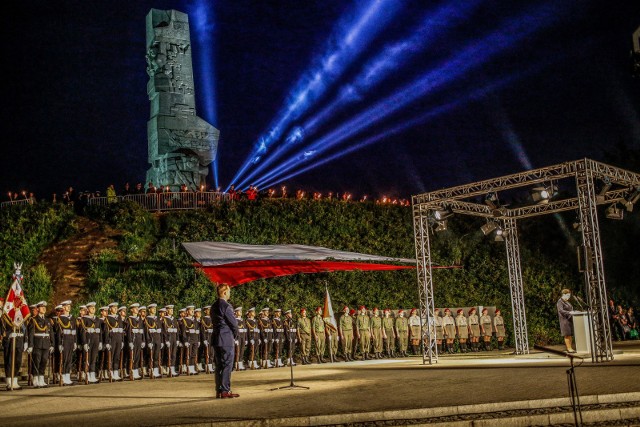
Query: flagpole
(13, 357)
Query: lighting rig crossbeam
(585, 172)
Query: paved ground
(491, 380)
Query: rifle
(170, 372)
(206, 358)
(181, 360)
(253, 354)
(151, 363)
(60, 367)
(86, 367)
(188, 357)
(79, 368)
(277, 353)
(237, 357)
(101, 368)
(109, 362)
(130, 364)
(29, 376)
(121, 357)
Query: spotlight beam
(472, 56)
(350, 39)
(475, 95)
(433, 24)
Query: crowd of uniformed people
(114, 342)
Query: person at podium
(565, 315)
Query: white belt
(136, 331)
(93, 330)
(117, 330)
(197, 331)
(41, 335)
(192, 331)
(242, 330)
(211, 330)
(279, 330)
(154, 331)
(16, 334)
(293, 330)
(69, 331)
(268, 330)
(172, 330)
(256, 330)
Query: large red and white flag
(15, 307)
(327, 313)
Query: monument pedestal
(582, 331)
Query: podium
(582, 331)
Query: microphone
(579, 301)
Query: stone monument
(181, 144)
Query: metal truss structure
(617, 186)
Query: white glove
(50, 350)
(24, 347)
(168, 343)
(236, 341)
(29, 350)
(150, 346)
(245, 343)
(143, 345)
(108, 346)
(75, 346)
(206, 342)
(252, 342)
(296, 340)
(60, 348)
(277, 340)
(179, 344)
(131, 345)
(99, 346)
(86, 347)
(259, 342)
(187, 344)
(161, 345)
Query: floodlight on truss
(543, 194)
(614, 212)
(634, 196)
(442, 225)
(500, 234)
(442, 214)
(489, 227)
(606, 186)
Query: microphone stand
(571, 379)
(291, 386)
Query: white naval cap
(113, 304)
(121, 308)
(238, 308)
(104, 308)
(143, 308)
(152, 305)
(134, 305)
(41, 304)
(169, 306)
(58, 307)
(198, 309)
(252, 309)
(90, 304)
(67, 302)
(191, 306)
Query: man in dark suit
(225, 332)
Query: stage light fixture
(614, 212)
(442, 226)
(634, 196)
(491, 200)
(488, 227)
(442, 214)
(500, 234)
(542, 195)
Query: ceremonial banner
(327, 313)
(15, 307)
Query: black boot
(500, 345)
(487, 346)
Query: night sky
(554, 89)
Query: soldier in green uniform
(474, 329)
(487, 328)
(318, 332)
(415, 335)
(377, 334)
(402, 329)
(389, 333)
(304, 336)
(449, 325)
(345, 326)
(463, 330)
(363, 325)
(332, 335)
(498, 322)
(356, 336)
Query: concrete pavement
(342, 393)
